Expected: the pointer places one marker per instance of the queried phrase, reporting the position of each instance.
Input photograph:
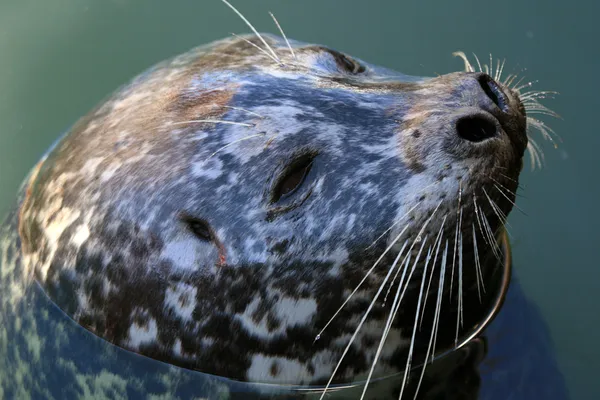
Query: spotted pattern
(104, 223)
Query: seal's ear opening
(198, 226)
(292, 177)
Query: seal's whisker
(546, 131)
(510, 79)
(477, 264)
(540, 110)
(468, 66)
(499, 213)
(414, 332)
(479, 223)
(458, 227)
(245, 110)
(284, 36)
(254, 30)
(364, 279)
(257, 47)
(439, 299)
(360, 324)
(459, 314)
(401, 289)
(491, 71)
(237, 141)
(402, 217)
(393, 225)
(538, 94)
(212, 121)
(509, 199)
(534, 105)
(436, 320)
(525, 85)
(536, 156)
(437, 243)
(491, 235)
(511, 179)
(491, 238)
(390, 319)
(500, 70)
(398, 271)
(478, 63)
(517, 85)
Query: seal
(270, 211)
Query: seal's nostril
(492, 90)
(475, 128)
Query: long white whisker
(244, 110)
(476, 208)
(499, 213)
(439, 300)
(518, 84)
(546, 131)
(388, 324)
(253, 30)
(212, 121)
(437, 243)
(501, 69)
(412, 340)
(236, 141)
(283, 34)
(509, 199)
(477, 264)
(468, 66)
(458, 223)
(459, 315)
(397, 271)
(257, 47)
(436, 320)
(360, 324)
(490, 235)
(393, 225)
(523, 86)
(478, 63)
(363, 280)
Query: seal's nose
(476, 128)
(482, 92)
(493, 91)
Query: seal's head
(224, 207)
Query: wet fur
(104, 223)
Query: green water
(58, 58)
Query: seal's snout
(492, 111)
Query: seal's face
(218, 211)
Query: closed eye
(292, 177)
(347, 64)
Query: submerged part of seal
(307, 219)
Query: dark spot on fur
(274, 370)
(416, 134)
(280, 247)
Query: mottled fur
(105, 226)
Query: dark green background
(58, 58)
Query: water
(58, 59)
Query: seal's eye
(346, 63)
(292, 177)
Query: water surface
(59, 58)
